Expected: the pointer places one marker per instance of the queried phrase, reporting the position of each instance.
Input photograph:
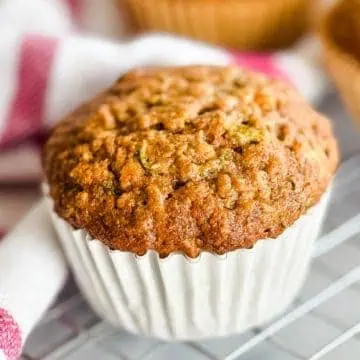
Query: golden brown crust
(340, 34)
(189, 159)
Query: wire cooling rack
(323, 322)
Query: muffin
(341, 38)
(244, 24)
(167, 188)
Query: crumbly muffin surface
(189, 159)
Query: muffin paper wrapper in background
(187, 299)
(244, 24)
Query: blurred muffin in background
(243, 24)
(340, 33)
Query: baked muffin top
(343, 26)
(189, 159)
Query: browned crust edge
(216, 203)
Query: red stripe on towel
(10, 336)
(264, 63)
(75, 9)
(27, 109)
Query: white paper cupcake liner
(186, 299)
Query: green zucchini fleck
(145, 160)
(245, 135)
(143, 156)
(213, 167)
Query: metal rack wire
(323, 323)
